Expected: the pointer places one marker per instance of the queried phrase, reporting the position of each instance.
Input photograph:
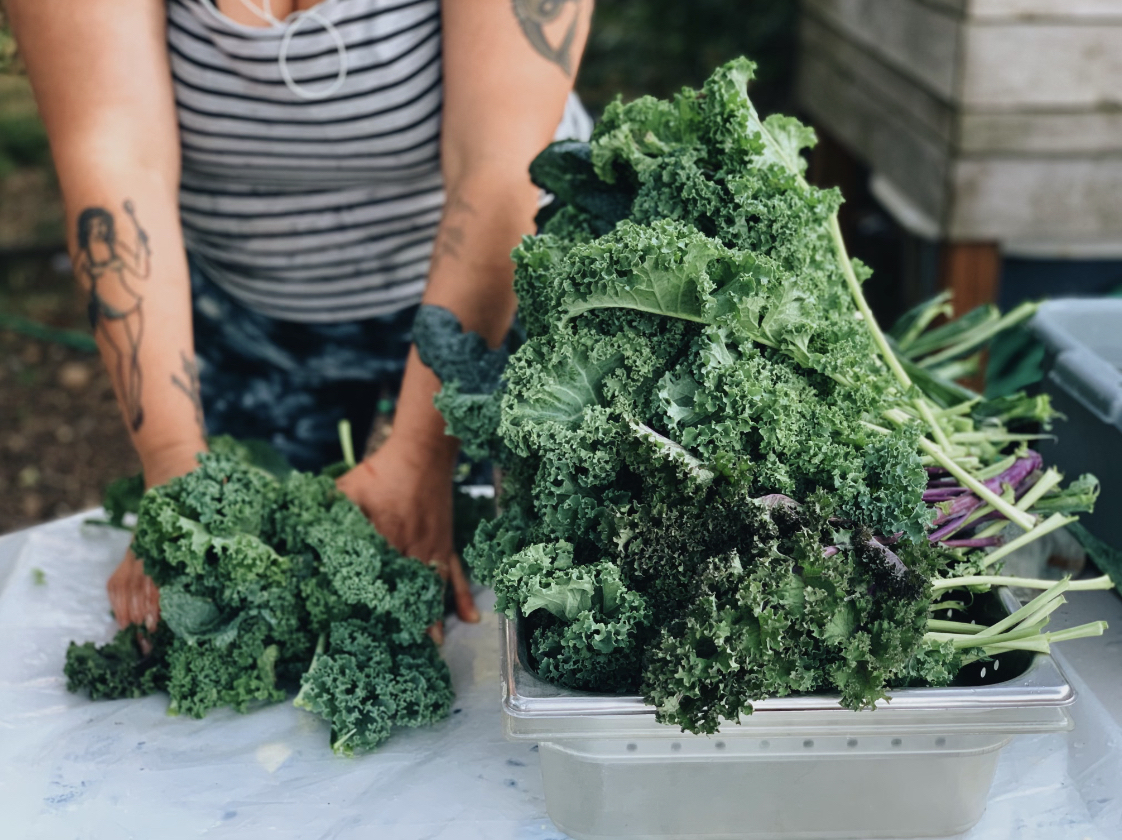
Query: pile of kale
(273, 583)
(715, 480)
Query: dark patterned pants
(291, 383)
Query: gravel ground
(61, 435)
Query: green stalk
(1052, 523)
(982, 334)
(960, 409)
(948, 605)
(965, 461)
(960, 369)
(929, 419)
(996, 437)
(962, 641)
(1037, 645)
(995, 469)
(347, 442)
(1103, 582)
(1019, 635)
(1041, 614)
(939, 626)
(1006, 509)
(1083, 631)
(1046, 482)
(1043, 643)
(863, 306)
(1051, 478)
(940, 306)
(1031, 608)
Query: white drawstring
(291, 25)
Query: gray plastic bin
(1083, 339)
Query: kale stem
(863, 306)
(1083, 631)
(980, 641)
(347, 442)
(982, 334)
(1006, 508)
(947, 605)
(940, 626)
(939, 306)
(1034, 608)
(1046, 482)
(960, 409)
(1052, 523)
(1103, 582)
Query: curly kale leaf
(119, 669)
(796, 621)
(364, 685)
(209, 674)
(565, 169)
(586, 623)
(455, 355)
(474, 419)
(123, 497)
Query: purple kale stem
(978, 542)
(964, 504)
(1022, 469)
(959, 508)
(949, 481)
(949, 528)
(830, 551)
(936, 470)
(942, 494)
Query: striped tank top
(304, 206)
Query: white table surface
(71, 769)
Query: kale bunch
(715, 480)
(268, 584)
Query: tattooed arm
(508, 67)
(100, 73)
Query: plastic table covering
(75, 769)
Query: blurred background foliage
(656, 46)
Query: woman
(305, 175)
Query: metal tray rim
(525, 696)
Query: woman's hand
(133, 596)
(406, 491)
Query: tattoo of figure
(110, 268)
(189, 385)
(534, 16)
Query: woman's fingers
(436, 632)
(150, 601)
(133, 596)
(461, 591)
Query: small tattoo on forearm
(450, 239)
(534, 16)
(190, 386)
(110, 267)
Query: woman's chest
(258, 12)
(354, 94)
